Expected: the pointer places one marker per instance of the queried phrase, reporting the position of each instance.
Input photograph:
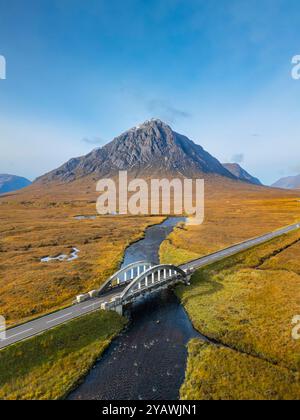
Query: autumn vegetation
(31, 231)
(50, 365)
(245, 306)
(245, 303)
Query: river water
(148, 360)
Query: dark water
(148, 248)
(148, 360)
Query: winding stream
(148, 360)
(62, 257)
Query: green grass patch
(218, 373)
(170, 252)
(48, 366)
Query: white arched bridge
(136, 281)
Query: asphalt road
(235, 249)
(47, 322)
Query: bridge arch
(153, 276)
(125, 274)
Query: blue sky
(81, 72)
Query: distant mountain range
(288, 183)
(150, 149)
(12, 183)
(241, 174)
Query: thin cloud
(93, 140)
(239, 158)
(166, 111)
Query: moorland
(245, 305)
(39, 222)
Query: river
(148, 360)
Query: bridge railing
(121, 278)
(155, 275)
(136, 279)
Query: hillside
(289, 183)
(12, 183)
(241, 174)
(151, 148)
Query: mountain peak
(151, 148)
(241, 173)
(153, 122)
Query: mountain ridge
(241, 173)
(150, 148)
(288, 183)
(10, 183)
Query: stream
(147, 361)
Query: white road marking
(89, 306)
(60, 317)
(15, 335)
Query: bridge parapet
(135, 281)
(125, 275)
(154, 279)
(156, 276)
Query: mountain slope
(241, 174)
(289, 183)
(12, 183)
(151, 148)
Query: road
(235, 249)
(47, 322)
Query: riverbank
(50, 365)
(148, 360)
(246, 304)
(220, 373)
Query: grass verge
(50, 365)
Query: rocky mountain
(241, 174)
(12, 183)
(151, 148)
(288, 183)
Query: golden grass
(32, 231)
(39, 221)
(235, 215)
(246, 302)
(287, 260)
(218, 373)
(48, 366)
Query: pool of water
(62, 257)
